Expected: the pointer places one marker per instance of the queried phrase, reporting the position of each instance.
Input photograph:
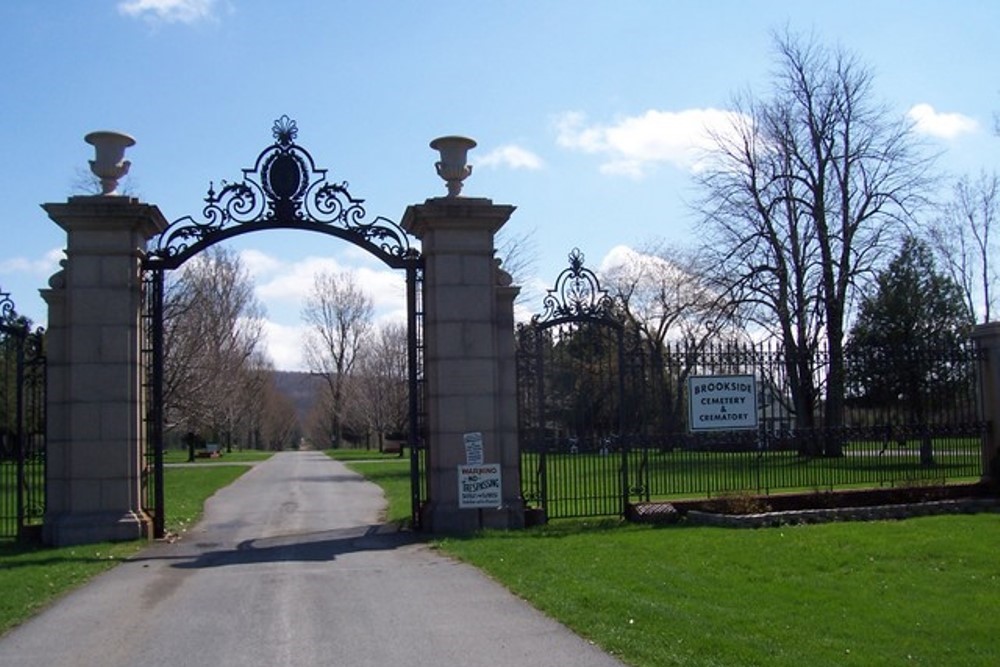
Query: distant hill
(302, 389)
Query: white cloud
(42, 266)
(513, 157)
(926, 120)
(169, 11)
(292, 283)
(624, 261)
(258, 263)
(284, 345)
(634, 144)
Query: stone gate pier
(95, 429)
(469, 356)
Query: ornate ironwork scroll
(283, 190)
(577, 294)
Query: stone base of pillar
(72, 529)
(448, 519)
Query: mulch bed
(817, 507)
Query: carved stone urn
(109, 163)
(453, 166)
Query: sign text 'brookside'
(730, 388)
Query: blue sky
(585, 112)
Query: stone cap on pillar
(454, 212)
(94, 213)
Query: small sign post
(473, 448)
(722, 402)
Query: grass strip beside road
(393, 475)
(31, 576)
(187, 489)
(347, 455)
(917, 592)
(238, 456)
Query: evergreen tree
(906, 345)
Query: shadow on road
(303, 547)
(320, 546)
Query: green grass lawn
(32, 576)
(393, 475)
(364, 455)
(236, 456)
(187, 489)
(916, 592)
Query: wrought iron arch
(283, 190)
(577, 296)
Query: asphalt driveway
(290, 566)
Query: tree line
(219, 382)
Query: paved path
(290, 567)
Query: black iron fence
(607, 419)
(22, 425)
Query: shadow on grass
(14, 555)
(556, 529)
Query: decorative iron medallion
(284, 189)
(577, 295)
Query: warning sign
(722, 402)
(479, 486)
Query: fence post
(987, 340)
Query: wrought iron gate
(283, 190)
(573, 397)
(605, 413)
(22, 424)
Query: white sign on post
(722, 402)
(479, 486)
(473, 448)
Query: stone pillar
(94, 417)
(468, 356)
(987, 339)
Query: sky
(588, 115)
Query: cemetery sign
(722, 402)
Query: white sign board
(722, 402)
(479, 486)
(473, 448)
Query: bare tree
(517, 252)
(380, 401)
(965, 239)
(667, 299)
(666, 296)
(85, 182)
(803, 194)
(212, 337)
(339, 317)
